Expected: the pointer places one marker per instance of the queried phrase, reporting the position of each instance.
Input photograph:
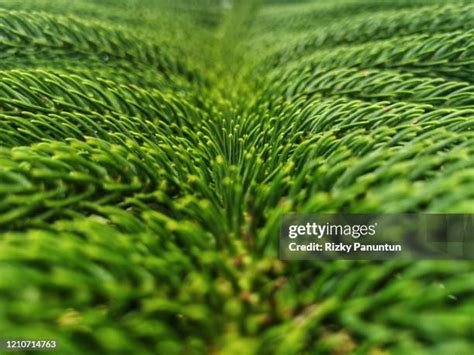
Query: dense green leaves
(148, 149)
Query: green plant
(149, 148)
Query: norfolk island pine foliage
(149, 148)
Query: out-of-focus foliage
(148, 149)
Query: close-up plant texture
(148, 150)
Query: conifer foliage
(148, 149)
